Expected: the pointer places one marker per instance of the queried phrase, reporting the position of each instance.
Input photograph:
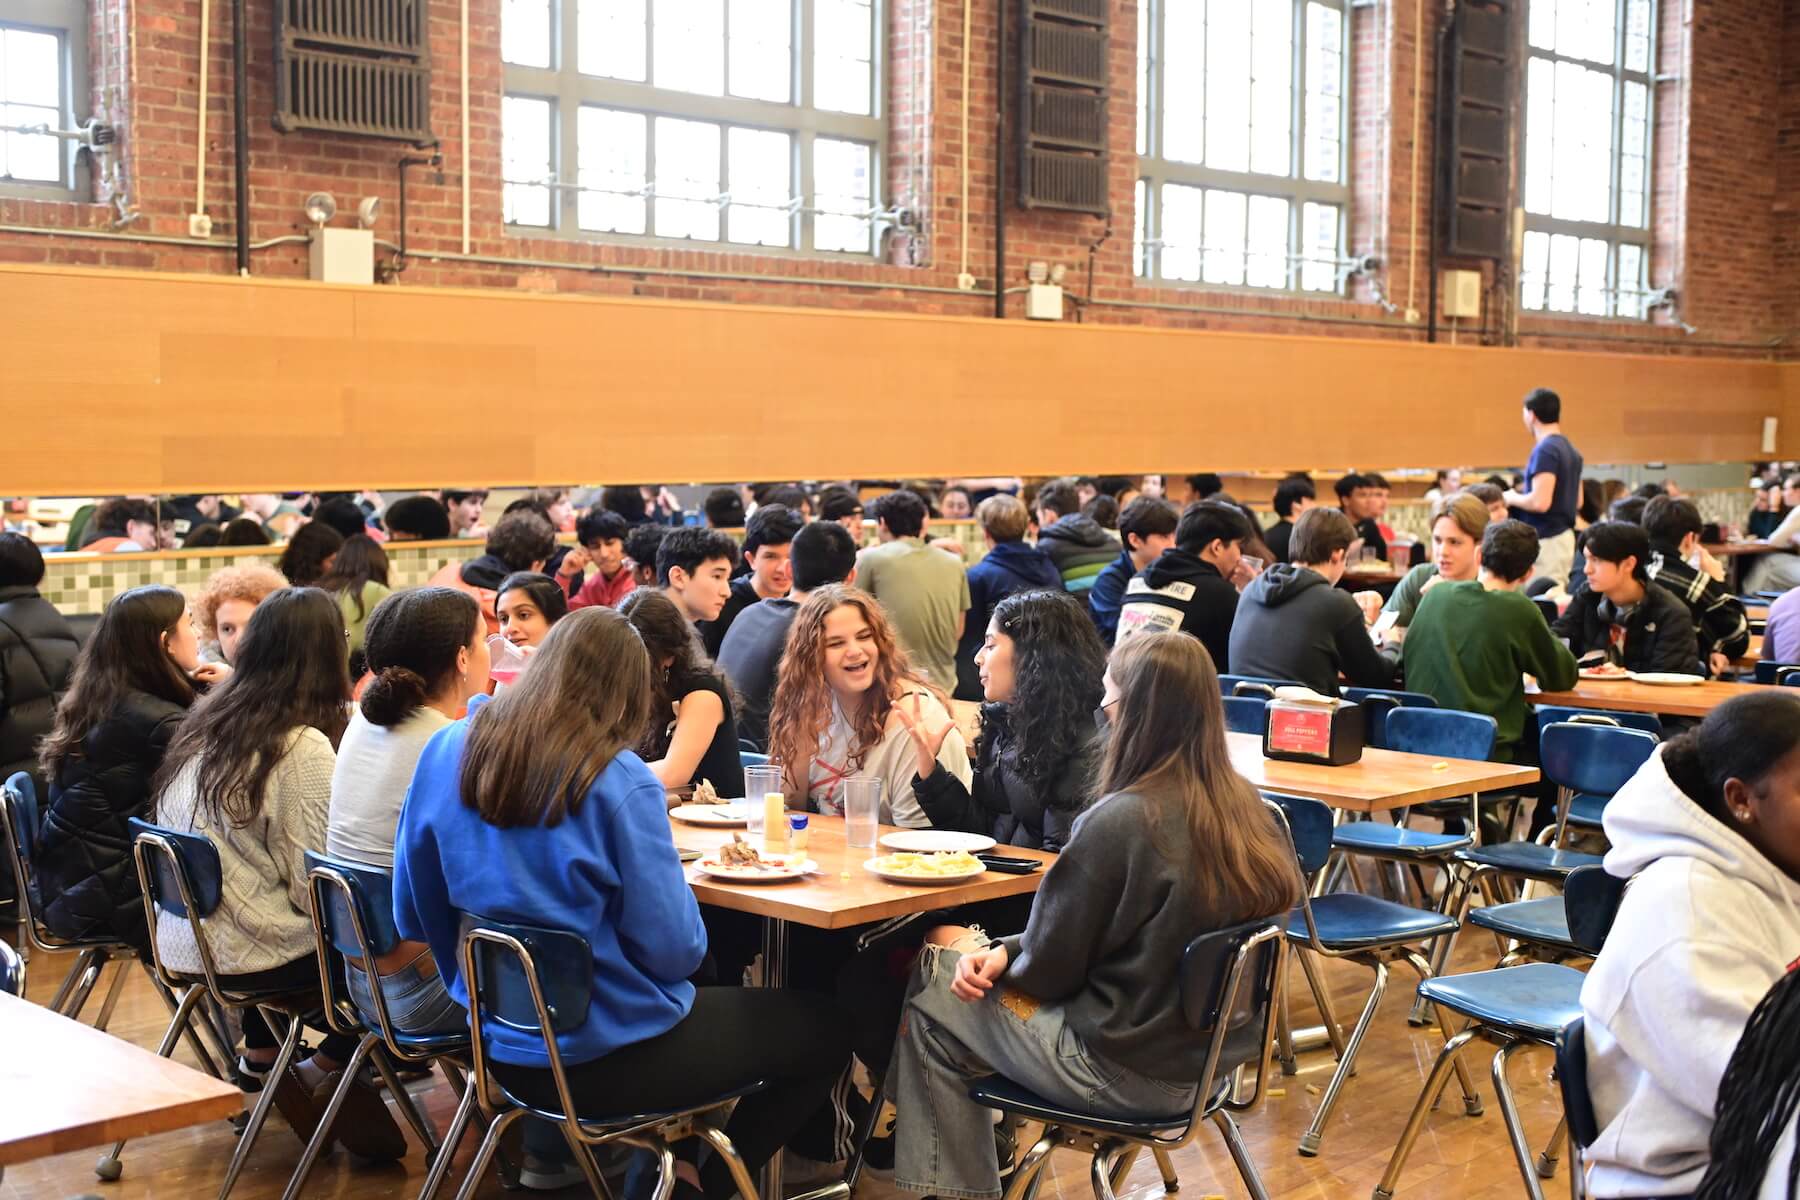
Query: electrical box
(342, 255)
(1461, 293)
(1044, 302)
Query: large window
(746, 122)
(1587, 156)
(43, 78)
(1240, 141)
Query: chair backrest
(12, 971)
(1547, 606)
(1252, 685)
(750, 758)
(1769, 672)
(1591, 902)
(1246, 714)
(532, 980)
(1309, 826)
(181, 867)
(1357, 695)
(20, 798)
(1593, 760)
(1572, 1078)
(1442, 733)
(353, 895)
(1552, 714)
(1228, 985)
(1377, 703)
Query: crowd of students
(652, 657)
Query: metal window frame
(68, 20)
(1154, 170)
(1611, 231)
(569, 91)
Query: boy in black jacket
(1637, 624)
(1191, 587)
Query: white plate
(1593, 676)
(1666, 679)
(926, 841)
(720, 815)
(875, 867)
(781, 868)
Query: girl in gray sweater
(1084, 1007)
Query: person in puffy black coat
(1041, 666)
(37, 657)
(131, 689)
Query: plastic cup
(862, 810)
(759, 781)
(505, 660)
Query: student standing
(1635, 623)
(1148, 528)
(1190, 587)
(823, 553)
(1010, 566)
(924, 591)
(1673, 527)
(1552, 489)
(768, 551)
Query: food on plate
(929, 866)
(739, 853)
(1604, 671)
(705, 793)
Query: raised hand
(925, 741)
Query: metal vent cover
(343, 93)
(377, 26)
(1076, 182)
(1067, 117)
(1066, 53)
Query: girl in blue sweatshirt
(534, 810)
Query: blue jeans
(944, 1141)
(417, 1003)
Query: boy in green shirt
(1470, 644)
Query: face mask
(1102, 718)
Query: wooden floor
(1456, 1156)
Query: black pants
(793, 1041)
(299, 976)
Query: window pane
(1541, 30)
(1180, 232)
(1228, 85)
(1637, 35)
(760, 178)
(31, 72)
(1184, 81)
(687, 179)
(1585, 28)
(525, 160)
(1223, 232)
(762, 56)
(843, 189)
(843, 68)
(1324, 92)
(1591, 296)
(1540, 133)
(1319, 241)
(1272, 87)
(525, 32)
(690, 46)
(1145, 17)
(1565, 266)
(1534, 274)
(612, 38)
(1267, 242)
(612, 169)
(1631, 281)
(1140, 227)
(1581, 156)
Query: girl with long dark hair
(358, 577)
(251, 769)
(691, 734)
(1178, 844)
(1759, 1099)
(528, 604)
(1709, 833)
(130, 690)
(1041, 664)
(538, 808)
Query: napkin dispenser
(1304, 726)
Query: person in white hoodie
(1709, 832)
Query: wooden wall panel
(113, 381)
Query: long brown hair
(667, 634)
(292, 670)
(124, 654)
(801, 711)
(535, 750)
(1167, 742)
(359, 562)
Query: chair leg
(1515, 1129)
(415, 1116)
(77, 969)
(440, 1162)
(860, 1142)
(1122, 1164)
(721, 1144)
(1030, 1167)
(1100, 1170)
(1471, 1098)
(1315, 1133)
(1546, 1163)
(321, 1136)
(1434, 1083)
(1240, 1155)
(472, 1182)
(90, 975)
(584, 1158)
(1284, 1033)
(1322, 999)
(264, 1102)
(1171, 1182)
(121, 969)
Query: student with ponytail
(1709, 833)
(428, 654)
(1759, 1103)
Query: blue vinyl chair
(181, 878)
(1440, 733)
(1352, 926)
(1253, 685)
(1229, 992)
(540, 982)
(353, 917)
(1246, 714)
(1584, 810)
(1514, 1007)
(1578, 1102)
(1378, 703)
(1772, 673)
(12, 971)
(750, 758)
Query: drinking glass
(862, 810)
(505, 660)
(1252, 564)
(759, 781)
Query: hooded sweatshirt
(1292, 624)
(1182, 591)
(1706, 928)
(1080, 548)
(1008, 569)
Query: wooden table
(1752, 654)
(1734, 554)
(64, 1085)
(1626, 695)
(1380, 781)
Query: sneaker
(363, 1126)
(802, 1174)
(541, 1175)
(294, 1102)
(250, 1077)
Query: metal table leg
(774, 975)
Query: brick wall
(1723, 231)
